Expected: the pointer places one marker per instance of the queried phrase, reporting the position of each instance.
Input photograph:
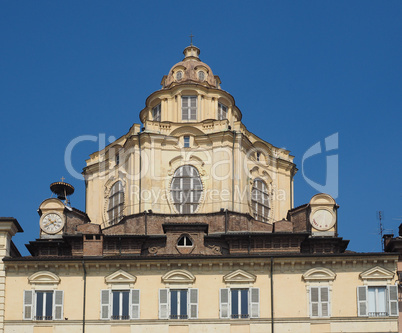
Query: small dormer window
(184, 241)
(258, 156)
(201, 75)
(179, 75)
(186, 142)
(156, 113)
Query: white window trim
(363, 302)
(30, 304)
(189, 306)
(319, 277)
(320, 303)
(133, 307)
(252, 306)
(188, 108)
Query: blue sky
(300, 71)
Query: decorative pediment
(120, 277)
(44, 277)
(319, 274)
(178, 276)
(239, 276)
(377, 273)
(51, 204)
(257, 172)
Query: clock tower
(52, 216)
(323, 215)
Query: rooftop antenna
(380, 215)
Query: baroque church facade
(190, 227)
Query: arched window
(184, 241)
(186, 189)
(116, 203)
(260, 200)
(201, 75)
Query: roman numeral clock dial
(52, 223)
(322, 219)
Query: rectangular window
(377, 301)
(319, 302)
(43, 305)
(222, 112)
(189, 108)
(156, 113)
(178, 303)
(239, 303)
(120, 304)
(117, 159)
(186, 142)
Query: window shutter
(314, 301)
(362, 301)
(193, 303)
(254, 303)
(393, 300)
(324, 298)
(163, 303)
(28, 304)
(224, 302)
(135, 303)
(105, 304)
(58, 304)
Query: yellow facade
(290, 297)
(190, 227)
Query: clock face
(322, 219)
(52, 223)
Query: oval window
(186, 189)
(201, 75)
(179, 75)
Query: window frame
(186, 141)
(391, 301)
(165, 307)
(157, 113)
(199, 74)
(189, 111)
(115, 211)
(320, 302)
(185, 237)
(226, 306)
(185, 199)
(222, 111)
(179, 73)
(107, 304)
(30, 304)
(258, 201)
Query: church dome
(191, 70)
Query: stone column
(9, 226)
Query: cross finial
(191, 39)
(62, 179)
